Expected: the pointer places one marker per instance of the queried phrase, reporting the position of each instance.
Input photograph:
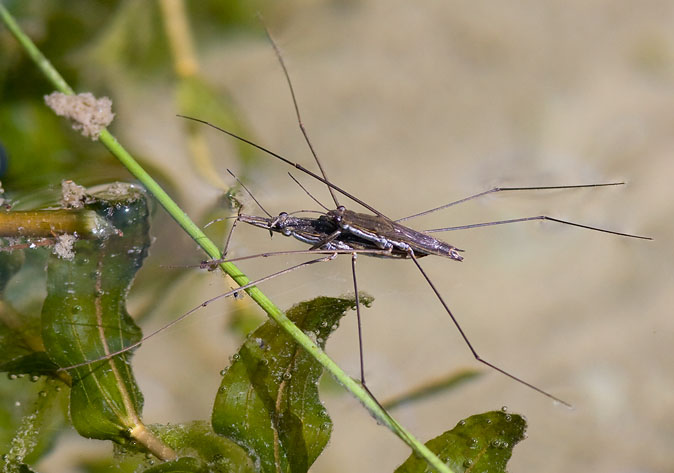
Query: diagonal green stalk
(109, 141)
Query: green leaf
(268, 400)
(181, 465)
(202, 450)
(84, 316)
(37, 363)
(479, 444)
(14, 344)
(198, 449)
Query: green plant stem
(211, 249)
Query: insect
(341, 230)
(349, 231)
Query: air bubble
(462, 422)
(467, 463)
(504, 408)
(34, 378)
(42, 394)
(12, 376)
(287, 375)
(222, 372)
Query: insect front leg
(333, 236)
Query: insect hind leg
(470, 345)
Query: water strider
(340, 230)
(374, 231)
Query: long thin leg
(229, 236)
(308, 193)
(203, 304)
(354, 256)
(287, 161)
(249, 193)
(470, 345)
(528, 219)
(210, 263)
(506, 189)
(297, 112)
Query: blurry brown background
(415, 104)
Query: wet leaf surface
(268, 400)
(84, 316)
(479, 444)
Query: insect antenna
(308, 193)
(297, 112)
